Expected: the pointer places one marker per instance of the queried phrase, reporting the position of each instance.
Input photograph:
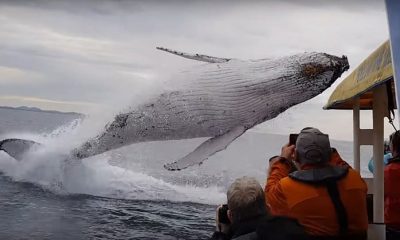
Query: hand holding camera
(288, 153)
(222, 219)
(288, 149)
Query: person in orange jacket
(392, 190)
(325, 195)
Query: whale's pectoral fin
(206, 149)
(198, 57)
(16, 148)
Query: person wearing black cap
(325, 194)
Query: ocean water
(122, 194)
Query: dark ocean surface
(30, 212)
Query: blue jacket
(386, 158)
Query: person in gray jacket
(246, 217)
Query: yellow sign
(373, 71)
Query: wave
(100, 175)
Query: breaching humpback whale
(220, 100)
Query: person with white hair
(245, 216)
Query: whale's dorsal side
(207, 149)
(17, 148)
(198, 57)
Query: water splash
(47, 168)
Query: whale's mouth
(321, 75)
(339, 66)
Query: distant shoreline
(34, 109)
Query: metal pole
(356, 135)
(378, 115)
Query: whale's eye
(312, 70)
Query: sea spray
(48, 168)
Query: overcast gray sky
(85, 55)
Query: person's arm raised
(279, 167)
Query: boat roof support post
(378, 114)
(356, 133)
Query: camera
(223, 214)
(293, 138)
